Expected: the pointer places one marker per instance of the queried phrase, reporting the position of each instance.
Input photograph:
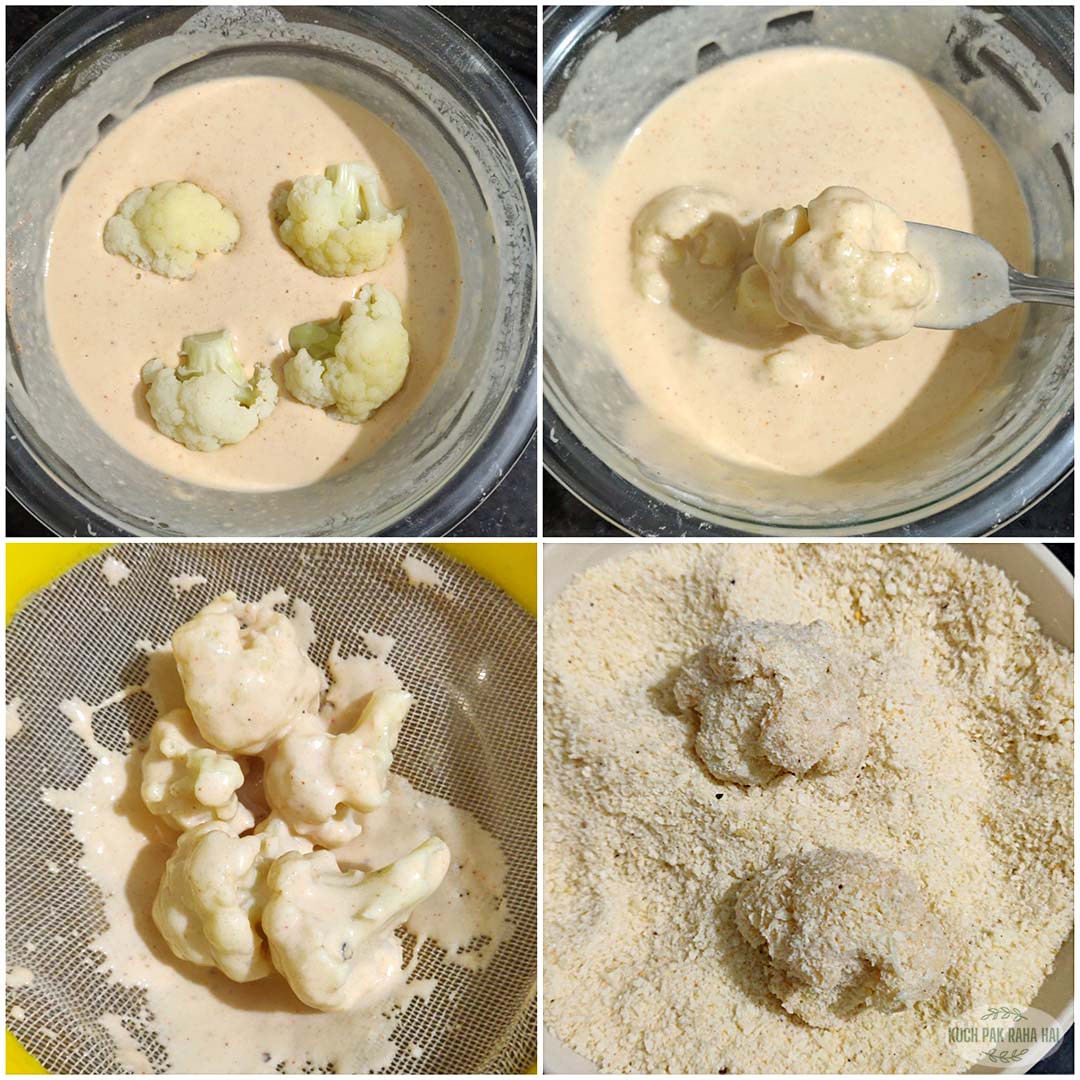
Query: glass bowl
(1011, 67)
(464, 119)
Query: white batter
(240, 138)
(773, 130)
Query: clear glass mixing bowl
(454, 106)
(1012, 67)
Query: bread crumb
(645, 970)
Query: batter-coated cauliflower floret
(165, 228)
(321, 783)
(187, 782)
(329, 932)
(337, 223)
(842, 930)
(212, 896)
(840, 268)
(754, 302)
(356, 363)
(786, 367)
(774, 698)
(246, 678)
(685, 225)
(207, 402)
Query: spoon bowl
(972, 279)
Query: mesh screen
(470, 660)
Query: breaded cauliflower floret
(165, 228)
(840, 268)
(685, 226)
(775, 698)
(207, 402)
(337, 223)
(321, 783)
(356, 363)
(213, 892)
(842, 930)
(330, 932)
(246, 678)
(187, 782)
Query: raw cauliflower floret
(840, 268)
(321, 783)
(685, 226)
(842, 930)
(775, 698)
(337, 223)
(330, 932)
(246, 678)
(187, 782)
(212, 895)
(165, 228)
(207, 402)
(356, 363)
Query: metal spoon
(973, 279)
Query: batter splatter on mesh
(470, 660)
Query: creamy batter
(240, 138)
(774, 129)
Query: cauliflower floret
(840, 268)
(754, 302)
(321, 783)
(686, 226)
(165, 228)
(329, 932)
(356, 363)
(774, 698)
(337, 224)
(206, 402)
(246, 678)
(842, 930)
(786, 367)
(213, 892)
(188, 783)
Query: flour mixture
(960, 812)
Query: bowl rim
(35, 486)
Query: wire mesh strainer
(469, 659)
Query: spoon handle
(1026, 288)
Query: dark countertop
(509, 35)
(566, 515)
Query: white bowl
(1047, 584)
